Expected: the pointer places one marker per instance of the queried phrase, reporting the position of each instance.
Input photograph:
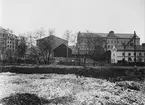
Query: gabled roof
(130, 48)
(56, 41)
(92, 34)
(108, 35)
(52, 36)
(63, 45)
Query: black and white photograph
(72, 52)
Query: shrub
(22, 99)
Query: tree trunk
(94, 63)
(84, 60)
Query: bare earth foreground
(70, 89)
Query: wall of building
(62, 51)
(119, 55)
(118, 41)
(7, 42)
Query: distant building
(110, 39)
(56, 44)
(62, 50)
(118, 53)
(83, 40)
(8, 41)
(117, 39)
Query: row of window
(130, 59)
(129, 54)
(110, 46)
(115, 41)
(10, 46)
(11, 42)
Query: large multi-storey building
(8, 41)
(120, 45)
(117, 39)
(110, 39)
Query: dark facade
(61, 51)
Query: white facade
(118, 55)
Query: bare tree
(43, 50)
(51, 31)
(67, 36)
(21, 47)
(93, 47)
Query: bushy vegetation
(110, 73)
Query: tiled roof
(117, 35)
(93, 34)
(138, 48)
(124, 35)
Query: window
(111, 46)
(111, 41)
(129, 54)
(123, 54)
(108, 41)
(129, 59)
(108, 46)
(139, 54)
(134, 53)
(113, 54)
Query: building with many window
(117, 39)
(118, 53)
(8, 41)
(110, 39)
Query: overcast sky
(121, 16)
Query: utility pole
(134, 48)
(124, 52)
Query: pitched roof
(92, 34)
(116, 35)
(130, 48)
(124, 35)
(56, 41)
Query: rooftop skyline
(99, 16)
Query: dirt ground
(72, 89)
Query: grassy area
(68, 89)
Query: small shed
(62, 51)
